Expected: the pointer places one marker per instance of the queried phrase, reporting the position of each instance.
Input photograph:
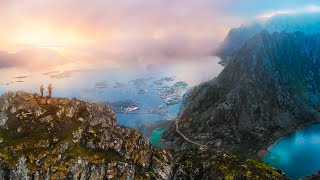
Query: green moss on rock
(203, 165)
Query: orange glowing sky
(107, 28)
(91, 25)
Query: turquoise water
(155, 139)
(297, 154)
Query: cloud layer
(113, 26)
(97, 30)
(35, 59)
(300, 10)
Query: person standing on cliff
(41, 90)
(50, 90)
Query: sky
(99, 30)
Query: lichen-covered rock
(3, 119)
(46, 119)
(70, 112)
(163, 170)
(77, 135)
(4, 105)
(21, 170)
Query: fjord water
(298, 153)
(80, 81)
(155, 139)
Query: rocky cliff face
(271, 86)
(58, 138)
(235, 39)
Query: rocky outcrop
(58, 138)
(270, 87)
(195, 164)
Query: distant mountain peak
(308, 23)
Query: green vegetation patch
(227, 166)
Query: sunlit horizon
(100, 30)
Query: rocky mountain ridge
(307, 23)
(58, 138)
(269, 88)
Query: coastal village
(171, 93)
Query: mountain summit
(58, 138)
(237, 37)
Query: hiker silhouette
(41, 90)
(50, 90)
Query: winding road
(202, 146)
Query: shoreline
(265, 149)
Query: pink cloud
(133, 26)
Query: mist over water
(99, 84)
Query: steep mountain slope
(237, 37)
(270, 87)
(58, 138)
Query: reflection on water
(297, 154)
(103, 83)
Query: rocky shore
(279, 135)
